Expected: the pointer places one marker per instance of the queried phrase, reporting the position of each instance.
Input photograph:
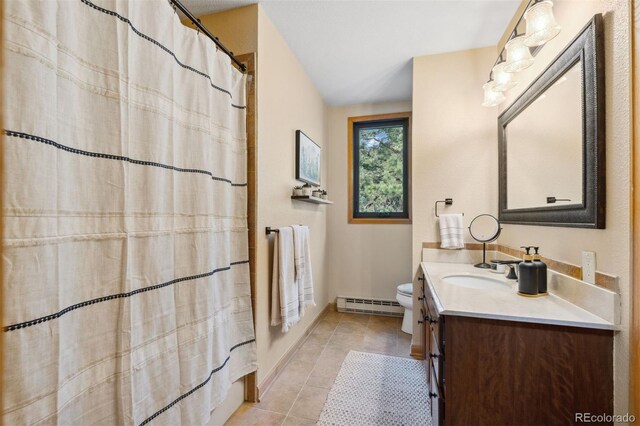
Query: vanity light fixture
(518, 55)
(491, 97)
(541, 24)
(503, 80)
(541, 27)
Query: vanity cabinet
(484, 371)
(433, 325)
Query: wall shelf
(310, 199)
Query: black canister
(527, 275)
(542, 271)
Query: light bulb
(503, 80)
(491, 97)
(518, 55)
(541, 25)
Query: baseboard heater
(369, 306)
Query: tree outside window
(379, 149)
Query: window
(379, 168)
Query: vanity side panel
(594, 370)
(503, 372)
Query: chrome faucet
(512, 275)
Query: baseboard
(417, 352)
(275, 371)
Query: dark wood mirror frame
(587, 47)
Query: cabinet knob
(421, 298)
(432, 321)
(420, 278)
(433, 395)
(420, 322)
(432, 355)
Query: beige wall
(363, 260)
(237, 29)
(287, 101)
(454, 141)
(613, 244)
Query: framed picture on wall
(308, 156)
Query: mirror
(547, 138)
(551, 141)
(484, 228)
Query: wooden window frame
(350, 177)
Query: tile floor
(298, 395)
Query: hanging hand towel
(304, 274)
(284, 294)
(451, 226)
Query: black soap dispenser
(527, 275)
(542, 272)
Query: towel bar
(446, 201)
(268, 230)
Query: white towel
(284, 287)
(451, 231)
(304, 273)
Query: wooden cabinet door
(435, 355)
(426, 334)
(436, 398)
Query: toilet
(404, 295)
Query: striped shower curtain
(126, 280)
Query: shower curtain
(126, 280)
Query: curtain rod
(202, 28)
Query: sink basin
(475, 281)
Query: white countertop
(502, 303)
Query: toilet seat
(406, 289)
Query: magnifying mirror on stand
(484, 229)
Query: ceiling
(361, 51)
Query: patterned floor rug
(374, 389)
